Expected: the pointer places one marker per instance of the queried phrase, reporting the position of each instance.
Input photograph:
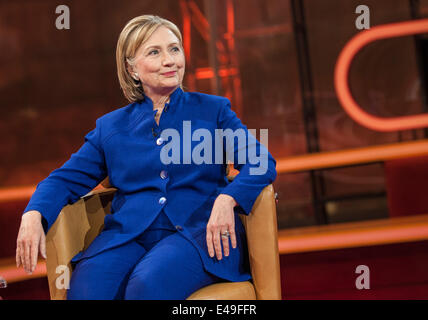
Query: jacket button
(159, 141)
(163, 174)
(179, 228)
(162, 200)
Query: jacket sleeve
(85, 169)
(257, 167)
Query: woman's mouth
(169, 74)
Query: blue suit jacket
(125, 146)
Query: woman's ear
(132, 72)
(135, 76)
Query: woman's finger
(225, 242)
(210, 243)
(43, 245)
(232, 237)
(34, 254)
(27, 256)
(217, 245)
(19, 249)
(18, 255)
(22, 254)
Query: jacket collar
(173, 99)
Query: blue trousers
(159, 265)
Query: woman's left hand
(222, 220)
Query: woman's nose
(167, 59)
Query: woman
(174, 226)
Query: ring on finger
(225, 234)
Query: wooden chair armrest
(75, 228)
(262, 238)
(100, 192)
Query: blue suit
(129, 147)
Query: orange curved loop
(342, 71)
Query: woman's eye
(175, 49)
(153, 52)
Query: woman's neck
(159, 98)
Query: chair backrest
(262, 238)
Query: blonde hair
(134, 34)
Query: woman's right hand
(31, 237)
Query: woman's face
(160, 62)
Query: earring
(136, 76)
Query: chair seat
(226, 291)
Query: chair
(78, 224)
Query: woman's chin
(169, 85)
(163, 87)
